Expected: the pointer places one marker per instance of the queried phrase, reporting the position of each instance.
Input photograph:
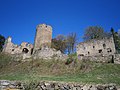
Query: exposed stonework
(103, 59)
(97, 50)
(42, 44)
(43, 36)
(41, 49)
(103, 47)
(117, 59)
(11, 48)
(49, 53)
(42, 85)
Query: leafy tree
(94, 32)
(65, 43)
(59, 43)
(71, 41)
(2, 41)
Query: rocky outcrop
(13, 85)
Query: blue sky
(19, 18)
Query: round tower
(43, 36)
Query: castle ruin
(103, 47)
(11, 48)
(43, 37)
(93, 50)
(40, 49)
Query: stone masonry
(49, 53)
(11, 48)
(47, 85)
(43, 39)
(41, 49)
(103, 47)
(43, 36)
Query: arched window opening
(104, 45)
(25, 50)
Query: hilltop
(57, 70)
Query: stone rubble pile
(9, 85)
(49, 53)
(13, 85)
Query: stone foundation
(117, 59)
(105, 59)
(49, 53)
(96, 58)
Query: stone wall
(117, 59)
(104, 59)
(42, 85)
(49, 53)
(18, 52)
(103, 47)
(24, 51)
(43, 36)
(11, 48)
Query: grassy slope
(83, 72)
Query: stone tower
(43, 36)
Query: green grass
(52, 70)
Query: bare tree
(71, 41)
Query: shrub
(72, 57)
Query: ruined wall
(117, 59)
(103, 47)
(49, 53)
(99, 59)
(11, 48)
(43, 36)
